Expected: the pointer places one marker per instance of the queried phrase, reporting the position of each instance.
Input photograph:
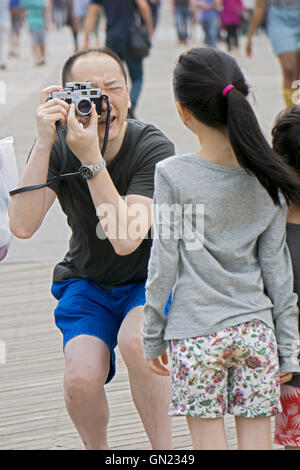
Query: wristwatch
(89, 171)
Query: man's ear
(183, 113)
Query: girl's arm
(162, 269)
(277, 273)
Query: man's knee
(79, 384)
(130, 346)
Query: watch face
(86, 172)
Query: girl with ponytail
(232, 327)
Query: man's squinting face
(105, 73)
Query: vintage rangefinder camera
(82, 95)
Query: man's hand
(48, 112)
(285, 377)
(156, 365)
(82, 136)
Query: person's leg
(205, 27)
(235, 33)
(178, 23)
(176, 20)
(254, 433)
(207, 433)
(135, 68)
(4, 42)
(228, 37)
(186, 17)
(289, 66)
(151, 393)
(211, 30)
(87, 360)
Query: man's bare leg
(151, 393)
(87, 365)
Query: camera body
(82, 95)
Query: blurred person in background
(17, 19)
(283, 28)
(80, 8)
(231, 21)
(181, 12)
(58, 13)
(208, 17)
(37, 21)
(120, 15)
(4, 32)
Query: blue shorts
(84, 308)
(283, 27)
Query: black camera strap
(63, 145)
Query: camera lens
(84, 107)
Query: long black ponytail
(200, 76)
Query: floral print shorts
(235, 370)
(287, 423)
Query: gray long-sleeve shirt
(222, 249)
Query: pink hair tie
(227, 89)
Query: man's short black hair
(67, 68)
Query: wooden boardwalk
(32, 410)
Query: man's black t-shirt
(119, 16)
(132, 172)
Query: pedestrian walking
(80, 8)
(283, 29)
(100, 284)
(231, 20)
(58, 13)
(36, 15)
(208, 17)
(181, 11)
(285, 135)
(4, 32)
(219, 220)
(17, 19)
(120, 16)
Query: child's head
(286, 136)
(210, 85)
(201, 76)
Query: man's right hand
(48, 113)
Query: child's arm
(277, 274)
(162, 269)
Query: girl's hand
(82, 136)
(156, 365)
(285, 377)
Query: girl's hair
(200, 76)
(286, 136)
